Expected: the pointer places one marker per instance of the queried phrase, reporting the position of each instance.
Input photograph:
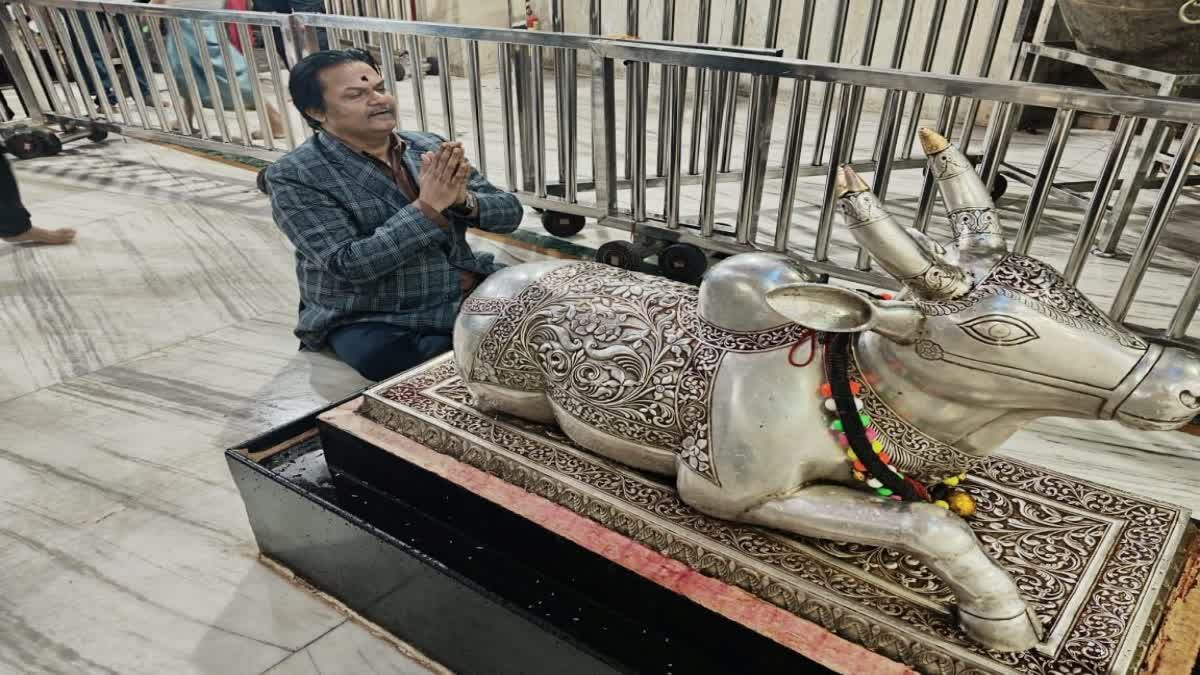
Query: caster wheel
(263, 187)
(562, 224)
(24, 145)
(401, 73)
(51, 144)
(683, 262)
(622, 254)
(433, 66)
(97, 134)
(999, 187)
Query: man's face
(356, 102)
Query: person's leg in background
(380, 350)
(312, 7)
(15, 225)
(279, 7)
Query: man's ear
(837, 310)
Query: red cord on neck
(811, 339)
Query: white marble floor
(132, 357)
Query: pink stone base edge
(789, 630)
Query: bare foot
(37, 235)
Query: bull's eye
(999, 330)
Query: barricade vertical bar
(595, 17)
(218, 102)
(1186, 310)
(668, 34)
(801, 90)
(990, 163)
(105, 61)
(1040, 192)
(931, 44)
(698, 96)
(825, 225)
(865, 59)
(260, 101)
(67, 41)
(570, 79)
(539, 121)
(835, 54)
(758, 145)
(20, 66)
(677, 76)
(712, 150)
(637, 71)
(560, 92)
(604, 131)
(27, 39)
(904, 26)
(387, 57)
(731, 95)
(504, 68)
(193, 92)
(235, 90)
(142, 55)
(443, 48)
(59, 67)
(127, 56)
(631, 28)
(989, 52)
(416, 73)
(1155, 225)
(1100, 194)
(476, 104)
(160, 55)
(889, 128)
(281, 99)
(1155, 135)
(960, 53)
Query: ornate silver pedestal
(1095, 563)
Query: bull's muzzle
(1168, 397)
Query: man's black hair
(305, 81)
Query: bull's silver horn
(922, 271)
(969, 205)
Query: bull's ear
(837, 310)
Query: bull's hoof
(1014, 634)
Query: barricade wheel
(434, 66)
(683, 262)
(999, 187)
(51, 144)
(263, 187)
(562, 224)
(622, 254)
(401, 73)
(97, 134)
(24, 145)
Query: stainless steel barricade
(660, 226)
(564, 156)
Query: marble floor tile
(351, 649)
(139, 277)
(126, 547)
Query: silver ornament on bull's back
(701, 384)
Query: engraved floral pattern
(1063, 540)
(620, 351)
(1039, 287)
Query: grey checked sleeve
(321, 230)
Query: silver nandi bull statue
(822, 411)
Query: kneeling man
(379, 220)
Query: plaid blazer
(363, 251)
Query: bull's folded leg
(991, 609)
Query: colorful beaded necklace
(852, 427)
